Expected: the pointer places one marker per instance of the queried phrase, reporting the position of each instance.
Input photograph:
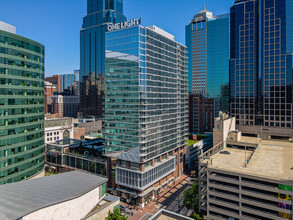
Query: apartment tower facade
(145, 108)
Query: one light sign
(125, 24)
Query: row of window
(13, 41)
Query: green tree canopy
(191, 197)
(197, 216)
(116, 215)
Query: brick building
(201, 114)
(55, 80)
(49, 91)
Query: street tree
(116, 215)
(191, 200)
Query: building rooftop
(168, 215)
(131, 155)
(204, 10)
(271, 159)
(7, 27)
(22, 198)
(161, 32)
(106, 201)
(202, 15)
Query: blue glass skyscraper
(67, 80)
(261, 66)
(217, 67)
(92, 52)
(208, 42)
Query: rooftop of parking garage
(272, 159)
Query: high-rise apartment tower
(145, 108)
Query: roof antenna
(204, 5)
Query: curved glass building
(21, 106)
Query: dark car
(224, 152)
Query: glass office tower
(208, 42)
(92, 53)
(67, 81)
(261, 66)
(145, 107)
(196, 42)
(21, 107)
(217, 66)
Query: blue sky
(56, 23)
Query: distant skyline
(57, 23)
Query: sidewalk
(154, 206)
(173, 186)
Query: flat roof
(272, 159)
(7, 27)
(164, 214)
(23, 198)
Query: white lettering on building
(125, 24)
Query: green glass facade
(21, 107)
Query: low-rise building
(195, 148)
(101, 211)
(168, 215)
(79, 133)
(52, 116)
(223, 126)
(71, 195)
(71, 154)
(91, 125)
(249, 178)
(58, 129)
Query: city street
(171, 199)
(175, 199)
